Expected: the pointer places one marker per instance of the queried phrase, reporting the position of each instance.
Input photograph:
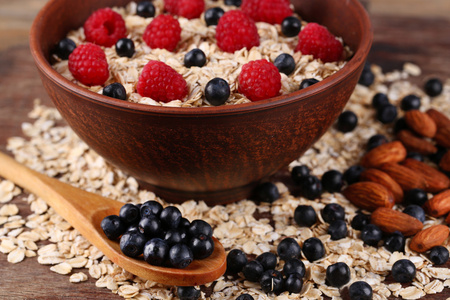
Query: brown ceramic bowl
(216, 154)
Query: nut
(444, 164)
(429, 238)
(390, 220)
(416, 144)
(439, 204)
(421, 123)
(436, 180)
(405, 177)
(442, 136)
(369, 195)
(389, 152)
(439, 118)
(385, 180)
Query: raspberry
(190, 9)
(269, 11)
(236, 31)
(88, 65)
(259, 80)
(104, 27)
(316, 40)
(163, 32)
(161, 83)
(250, 8)
(171, 6)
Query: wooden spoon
(85, 211)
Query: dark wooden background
(405, 31)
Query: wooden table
(405, 31)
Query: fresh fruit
(213, 15)
(272, 281)
(273, 11)
(88, 65)
(151, 226)
(332, 212)
(403, 270)
(376, 140)
(387, 113)
(253, 270)
(290, 26)
(151, 207)
(156, 251)
(266, 192)
(367, 77)
(180, 256)
(115, 90)
(285, 63)
(347, 121)
(305, 215)
(369, 195)
(199, 227)
(433, 87)
(395, 242)
(294, 266)
(399, 125)
(170, 217)
(389, 152)
(245, 296)
(307, 83)
(145, 9)
(259, 80)
(416, 196)
(104, 27)
(236, 3)
(379, 100)
(288, 248)
(163, 32)
(311, 187)
(64, 48)
(415, 211)
(129, 213)
(235, 31)
(268, 260)
(217, 91)
(332, 181)
(439, 255)
(371, 234)
(337, 274)
(299, 173)
(113, 227)
(293, 283)
(195, 58)
(202, 246)
(410, 102)
(188, 293)
(179, 235)
(190, 9)
(313, 249)
(236, 260)
(132, 243)
(352, 174)
(360, 290)
(428, 238)
(359, 221)
(389, 221)
(420, 122)
(125, 47)
(337, 230)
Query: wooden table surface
(405, 31)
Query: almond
(390, 220)
(429, 238)
(439, 204)
(389, 152)
(405, 177)
(444, 164)
(416, 144)
(369, 195)
(439, 118)
(436, 180)
(385, 180)
(420, 122)
(442, 136)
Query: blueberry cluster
(162, 235)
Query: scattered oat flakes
(16, 255)
(78, 277)
(9, 210)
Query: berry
(433, 87)
(171, 6)
(132, 243)
(288, 249)
(294, 266)
(332, 181)
(293, 283)
(213, 15)
(415, 196)
(163, 32)
(115, 90)
(359, 221)
(395, 242)
(125, 47)
(298, 173)
(371, 234)
(170, 217)
(64, 48)
(305, 215)
(338, 230)
(180, 256)
(130, 213)
(415, 155)
(88, 65)
(175, 236)
(380, 100)
(236, 3)
(150, 226)
(235, 31)
(337, 274)
(184, 223)
(266, 192)
(145, 9)
(333, 212)
(307, 83)
(104, 27)
(217, 91)
(151, 207)
(375, 141)
(415, 211)
(259, 79)
(352, 174)
(400, 124)
(316, 40)
(410, 102)
(161, 83)
(403, 270)
(250, 8)
(245, 296)
(285, 63)
(202, 246)
(268, 260)
(272, 281)
(199, 227)
(313, 249)
(253, 270)
(367, 77)
(290, 26)
(113, 227)
(347, 121)
(311, 187)
(190, 9)
(236, 260)
(156, 251)
(360, 290)
(439, 255)
(188, 293)
(273, 11)
(387, 114)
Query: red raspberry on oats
(274, 12)
(259, 80)
(163, 32)
(316, 40)
(235, 31)
(161, 83)
(104, 27)
(250, 8)
(171, 6)
(190, 9)
(88, 64)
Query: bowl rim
(350, 66)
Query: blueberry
(359, 221)
(375, 141)
(433, 87)
(184, 223)
(352, 174)
(156, 251)
(236, 260)
(175, 236)
(195, 58)
(294, 265)
(367, 77)
(371, 234)
(436, 157)
(268, 260)
(337, 274)
(332, 212)
(288, 249)
(202, 246)
(245, 297)
(311, 187)
(113, 227)
(410, 102)
(403, 270)
(125, 47)
(236, 3)
(151, 226)
(415, 196)
(253, 270)
(188, 293)
(145, 9)
(305, 215)
(151, 208)
(347, 121)
(298, 173)
(290, 26)
(133, 227)
(266, 192)
(293, 283)
(337, 230)
(213, 15)
(170, 217)
(313, 249)
(132, 243)
(115, 90)
(64, 48)
(217, 91)
(307, 83)
(360, 290)
(387, 114)
(285, 63)
(395, 242)
(180, 256)
(130, 213)
(415, 211)
(332, 181)
(400, 125)
(199, 227)
(272, 281)
(415, 155)
(439, 255)
(380, 100)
